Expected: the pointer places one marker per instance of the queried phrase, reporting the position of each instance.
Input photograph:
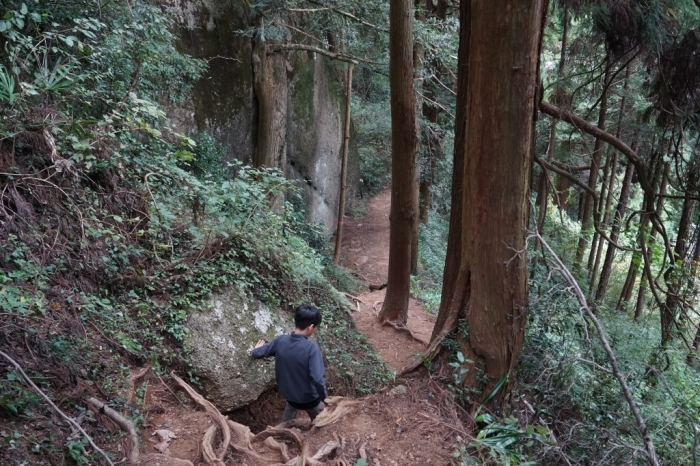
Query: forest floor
(414, 421)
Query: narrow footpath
(365, 251)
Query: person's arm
(263, 350)
(316, 371)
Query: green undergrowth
(565, 373)
(566, 403)
(115, 226)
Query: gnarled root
(342, 405)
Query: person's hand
(260, 343)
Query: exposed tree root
(378, 287)
(342, 405)
(133, 457)
(276, 453)
(229, 434)
(161, 460)
(124, 424)
(210, 456)
(402, 328)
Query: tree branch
(642, 427)
(593, 130)
(589, 190)
(336, 56)
(348, 15)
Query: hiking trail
(365, 251)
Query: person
(299, 365)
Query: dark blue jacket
(298, 369)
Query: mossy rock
(222, 334)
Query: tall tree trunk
(418, 57)
(433, 140)
(543, 185)
(343, 167)
(641, 294)
(485, 279)
(597, 245)
(454, 287)
(270, 85)
(563, 185)
(593, 177)
(612, 171)
(404, 139)
(673, 274)
(636, 261)
(599, 209)
(615, 232)
(692, 358)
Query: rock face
(224, 103)
(315, 137)
(222, 334)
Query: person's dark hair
(306, 315)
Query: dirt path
(365, 250)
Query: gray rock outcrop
(222, 334)
(225, 105)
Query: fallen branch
(582, 124)
(51, 403)
(641, 424)
(336, 56)
(374, 287)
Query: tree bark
(485, 280)
(270, 85)
(404, 140)
(343, 167)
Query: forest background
(117, 219)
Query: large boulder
(222, 334)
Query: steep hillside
(114, 226)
